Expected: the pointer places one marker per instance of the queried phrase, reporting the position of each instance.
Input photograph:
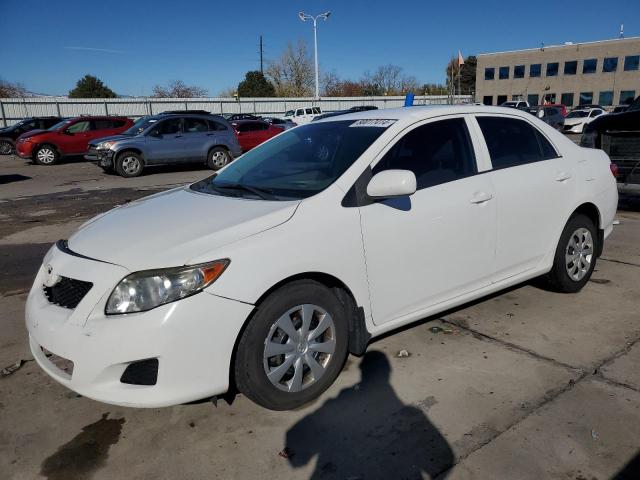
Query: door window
(103, 124)
(436, 153)
(512, 142)
(299, 112)
(309, 111)
(78, 127)
(168, 127)
(215, 126)
(195, 125)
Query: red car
(563, 108)
(68, 137)
(252, 133)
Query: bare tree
(292, 74)
(12, 90)
(178, 89)
(331, 85)
(387, 78)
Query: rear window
(104, 124)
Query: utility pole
(261, 61)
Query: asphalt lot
(526, 384)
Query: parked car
(68, 137)
(560, 106)
(577, 119)
(618, 134)
(233, 117)
(588, 106)
(167, 139)
(271, 271)
(10, 134)
(516, 104)
(363, 108)
(303, 115)
(620, 109)
(550, 115)
(280, 122)
(252, 133)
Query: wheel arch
(591, 211)
(135, 150)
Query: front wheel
(294, 346)
(575, 256)
(46, 155)
(129, 164)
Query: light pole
(304, 17)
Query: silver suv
(167, 139)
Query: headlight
(142, 291)
(105, 145)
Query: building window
(567, 99)
(571, 67)
(516, 97)
(627, 96)
(631, 63)
(487, 100)
(518, 71)
(549, 98)
(535, 70)
(606, 98)
(532, 99)
(501, 99)
(489, 73)
(610, 64)
(586, 98)
(503, 73)
(552, 69)
(590, 65)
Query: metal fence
(13, 110)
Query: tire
(6, 147)
(218, 157)
(129, 164)
(265, 346)
(46, 155)
(575, 256)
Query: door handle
(562, 176)
(481, 197)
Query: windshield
(59, 125)
(297, 163)
(578, 114)
(140, 126)
(289, 113)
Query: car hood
(111, 138)
(171, 228)
(625, 121)
(32, 133)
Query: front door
(438, 243)
(75, 139)
(165, 142)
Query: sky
(47, 45)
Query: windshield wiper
(263, 193)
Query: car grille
(68, 292)
(624, 150)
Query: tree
(228, 92)
(91, 87)
(12, 90)
(255, 84)
(178, 89)
(467, 73)
(292, 74)
(388, 80)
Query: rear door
(534, 187)
(196, 136)
(165, 142)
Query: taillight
(614, 169)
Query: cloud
(92, 49)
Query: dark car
(252, 133)
(165, 139)
(618, 134)
(233, 117)
(9, 135)
(550, 115)
(362, 108)
(68, 137)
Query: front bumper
(103, 158)
(192, 339)
(24, 149)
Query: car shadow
(368, 432)
(4, 179)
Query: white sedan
(268, 273)
(577, 119)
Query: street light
(304, 17)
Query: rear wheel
(294, 346)
(129, 164)
(575, 256)
(6, 147)
(218, 157)
(46, 155)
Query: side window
(299, 112)
(309, 111)
(82, 126)
(168, 127)
(512, 142)
(436, 153)
(316, 110)
(195, 125)
(244, 127)
(103, 124)
(215, 126)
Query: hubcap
(5, 148)
(219, 159)
(299, 347)
(130, 165)
(579, 254)
(46, 155)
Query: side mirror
(392, 184)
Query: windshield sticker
(372, 122)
